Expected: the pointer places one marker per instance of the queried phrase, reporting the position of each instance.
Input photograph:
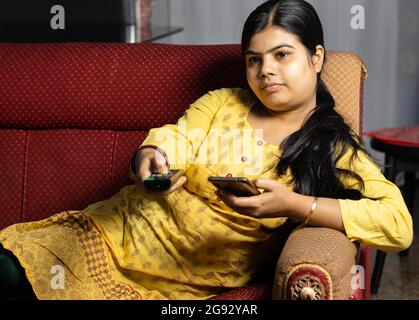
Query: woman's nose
(267, 68)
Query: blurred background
(389, 45)
(387, 42)
(386, 38)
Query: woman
(192, 241)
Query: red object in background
(405, 136)
(145, 20)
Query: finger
(179, 183)
(242, 210)
(159, 165)
(144, 170)
(236, 202)
(243, 202)
(266, 184)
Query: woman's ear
(318, 58)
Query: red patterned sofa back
(72, 114)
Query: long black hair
(311, 153)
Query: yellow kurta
(188, 245)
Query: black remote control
(161, 182)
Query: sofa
(73, 115)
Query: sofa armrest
(315, 264)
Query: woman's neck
(292, 118)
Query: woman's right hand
(148, 160)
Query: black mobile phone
(160, 182)
(239, 186)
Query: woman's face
(279, 70)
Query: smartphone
(239, 186)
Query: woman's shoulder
(357, 160)
(240, 94)
(226, 99)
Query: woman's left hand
(275, 201)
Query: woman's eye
(282, 54)
(253, 59)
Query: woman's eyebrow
(270, 50)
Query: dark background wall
(85, 20)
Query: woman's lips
(272, 87)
